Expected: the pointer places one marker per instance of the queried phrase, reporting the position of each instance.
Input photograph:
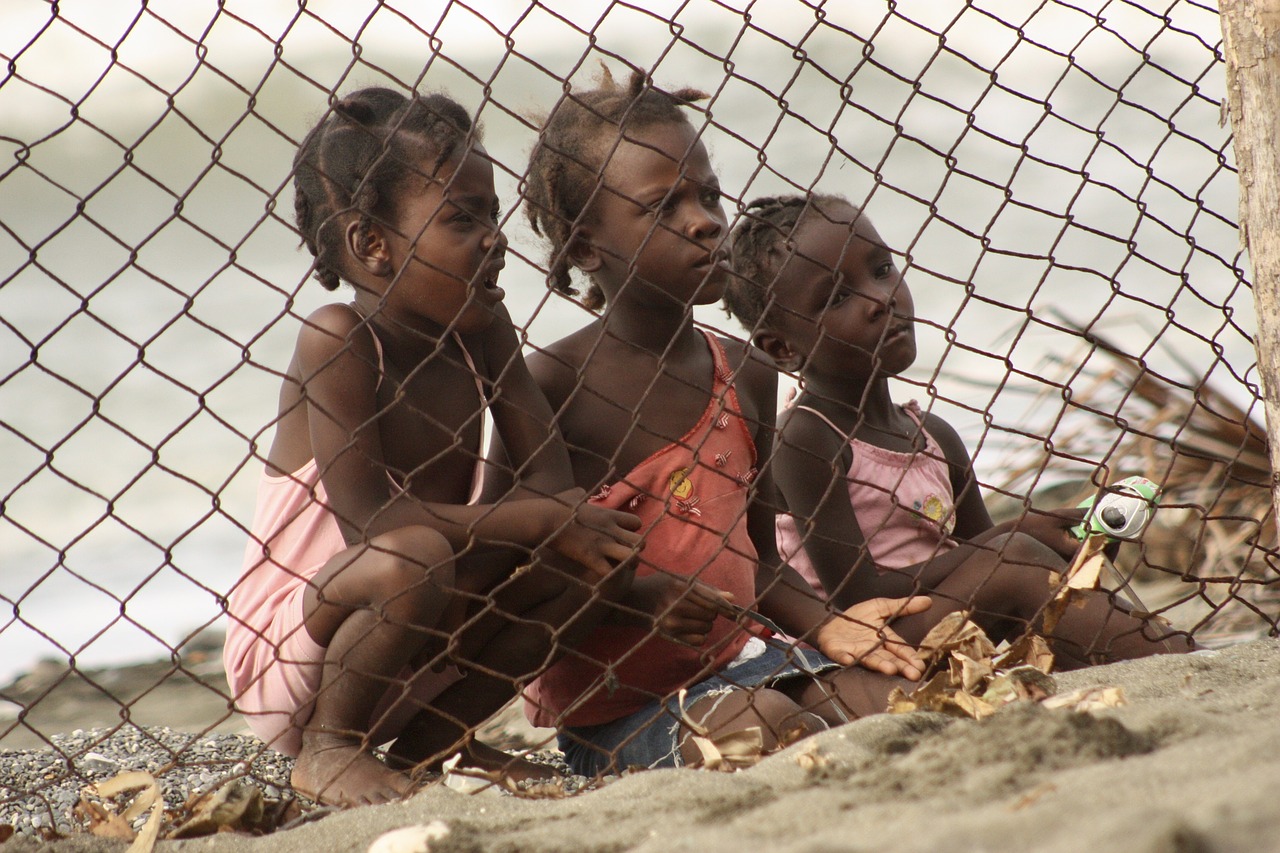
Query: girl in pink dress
(881, 498)
(379, 601)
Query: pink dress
(273, 665)
(692, 499)
(903, 502)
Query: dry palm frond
(1209, 559)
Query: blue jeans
(651, 736)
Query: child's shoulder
(557, 367)
(328, 330)
(946, 437)
(750, 367)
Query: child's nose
(703, 223)
(496, 239)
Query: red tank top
(692, 499)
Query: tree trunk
(1251, 40)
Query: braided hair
(760, 243)
(357, 159)
(568, 161)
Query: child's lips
(901, 330)
(489, 291)
(716, 260)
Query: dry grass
(1209, 560)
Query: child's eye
(885, 270)
(663, 206)
(711, 196)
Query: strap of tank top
(477, 476)
(377, 344)
(826, 420)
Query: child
(881, 498)
(665, 421)
(377, 603)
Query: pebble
(39, 788)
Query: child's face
(446, 247)
(657, 221)
(840, 302)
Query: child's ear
(367, 243)
(782, 353)
(581, 252)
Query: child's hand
(592, 536)
(861, 636)
(682, 611)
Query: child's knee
(779, 717)
(414, 558)
(1023, 550)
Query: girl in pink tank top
(380, 603)
(882, 498)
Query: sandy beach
(1190, 762)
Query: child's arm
(527, 447)
(338, 369)
(973, 520)
(857, 636)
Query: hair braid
(757, 244)
(355, 160)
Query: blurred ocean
(150, 286)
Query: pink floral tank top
(903, 502)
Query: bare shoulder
(557, 367)
(495, 347)
(805, 429)
(755, 375)
(947, 438)
(326, 332)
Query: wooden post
(1251, 40)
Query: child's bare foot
(338, 772)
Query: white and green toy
(1121, 512)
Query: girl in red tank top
(666, 421)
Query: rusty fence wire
(1055, 178)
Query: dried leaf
(953, 630)
(103, 823)
(929, 696)
(236, 806)
(1086, 569)
(732, 751)
(1089, 699)
(968, 673)
(811, 759)
(900, 702)
(148, 798)
(1024, 683)
(972, 706)
(727, 752)
(1029, 650)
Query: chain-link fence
(1052, 179)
